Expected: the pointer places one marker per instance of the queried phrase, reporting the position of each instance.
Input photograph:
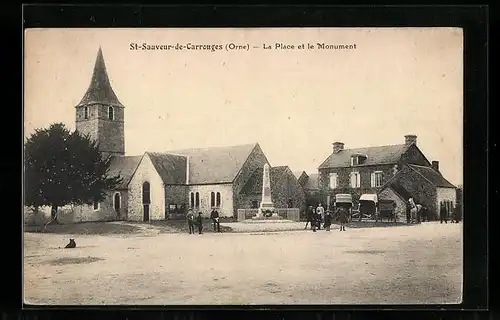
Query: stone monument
(266, 205)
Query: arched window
(85, 112)
(96, 206)
(197, 204)
(192, 200)
(117, 199)
(146, 197)
(218, 199)
(111, 113)
(212, 199)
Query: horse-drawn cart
(345, 201)
(387, 210)
(368, 207)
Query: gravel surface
(392, 265)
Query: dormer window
(85, 112)
(111, 113)
(357, 159)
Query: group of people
(444, 214)
(317, 216)
(198, 221)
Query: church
(164, 185)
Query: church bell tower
(100, 114)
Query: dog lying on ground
(71, 244)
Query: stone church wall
(146, 172)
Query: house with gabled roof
(367, 171)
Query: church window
(85, 112)
(218, 199)
(197, 204)
(212, 199)
(146, 193)
(111, 113)
(192, 200)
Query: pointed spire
(100, 90)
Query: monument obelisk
(266, 204)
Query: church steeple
(100, 90)
(100, 114)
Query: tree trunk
(53, 214)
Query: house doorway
(146, 200)
(117, 203)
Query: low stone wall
(292, 214)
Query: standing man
(320, 212)
(342, 214)
(214, 215)
(199, 222)
(443, 214)
(328, 220)
(190, 221)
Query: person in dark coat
(214, 215)
(342, 214)
(199, 222)
(309, 217)
(314, 220)
(328, 220)
(443, 214)
(190, 221)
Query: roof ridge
(380, 146)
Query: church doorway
(117, 203)
(146, 200)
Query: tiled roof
(216, 164)
(254, 184)
(125, 167)
(171, 168)
(398, 189)
(312, 183)
(433, 176)
(100, 90)
(375, 156)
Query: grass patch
(85, 228)
(66, 260)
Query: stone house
(367, 170)
(163, 185)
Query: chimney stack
(410, 139)
(338, 146)
(435, 165)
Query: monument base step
(267, 220)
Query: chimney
(187, 170)
(338, 146)
(435, 165)
(410, 139)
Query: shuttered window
(376, 179)
(355, 180)
(333, 180)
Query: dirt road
(408, 265)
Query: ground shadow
(85, 228)
(69, 260)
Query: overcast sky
(295, 103)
